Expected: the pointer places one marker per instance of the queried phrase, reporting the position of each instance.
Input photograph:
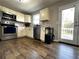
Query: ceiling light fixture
(24, 1)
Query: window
(67, 23)
(36, 19)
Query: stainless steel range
(7, 27)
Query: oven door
(9, 29)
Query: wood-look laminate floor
(32, 49)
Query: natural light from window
(67, 26)
(36, 19)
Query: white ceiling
(30, 7)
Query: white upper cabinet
(7, 10)
(27, 18)
(44, 14)
(20, 17)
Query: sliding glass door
(68, 24)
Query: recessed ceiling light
(24, 1)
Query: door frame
(77, 25)
(75, 36)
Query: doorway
(68, 19)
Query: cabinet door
(44, 14)
(7, 10)
(20, 17)
(29, 32)
(42, 36)
(1, 8)
(21, 32)
(27, 18)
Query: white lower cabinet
(25, 31)
(21, 32)
(42, 36)
(29, 32)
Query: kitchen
(21, 29)
(37, 25)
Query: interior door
(68, 30)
